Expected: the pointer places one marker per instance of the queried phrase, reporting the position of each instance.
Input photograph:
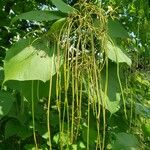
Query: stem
(48, 107)
(88, 128)
(33, 117)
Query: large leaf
(92, 135)
(112, 105)
(56, 28)
(13, 127)
(113, 94)
(115, 29)
(112, 98)
(40, 89)
(38, 15)
(116, 54)
(6, 101)
(63, 7)
(30, 62)
(92, 132)
(125, 142)
(17, 48)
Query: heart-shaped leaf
(25, 61)
(116, 54)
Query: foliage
(74, 75)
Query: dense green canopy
(75, 74)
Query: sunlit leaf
(112, 106)
(30, 61)
(62, 137)
(116, 54)
(146, 129)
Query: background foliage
(28, 64)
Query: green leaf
(55, 138)
(113, 94)
(62, 137)
(32, 147)
(30, 61)
(40, 89)
(115, 54)
(92, 132)
(112, 105)
(81, 145)
(56, 28)
(38, 15)
(6, 102)
(92, 135)
(63, 7)
(1, 75)
(117, 123)
(112, 98)
(125, 142)
(146, 129)
(13, 127)
(115, 29)
(17, 47)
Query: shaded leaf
(117, 123)
(1, 75)
(6, 102)
(125, 142)
(38, 15)
(40, 89)
(92, 135)
(115, 29)
(13, 127)
(113, 94)
(92, 132)
(56, 27)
